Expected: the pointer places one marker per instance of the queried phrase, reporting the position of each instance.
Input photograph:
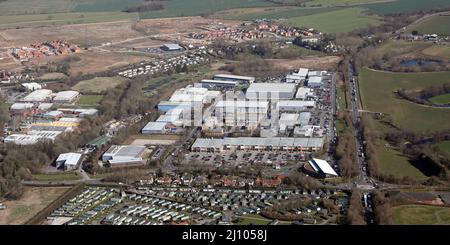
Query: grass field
(343, 20)
(441, 99)
(98, 84)
(89, 100)
(444, 146)
(32, 201)
(420, 215)
(442, 51)
(174, 8)
(341, 2)
(10, 7)
(402, 47)
(56, 177)
(436, 24)
(35, 20)
(406, 6)
(377, 92)
(269, 13)
(393, 162)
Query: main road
(363, 182)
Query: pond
(420, 62)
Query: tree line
(145, 7)
(423, 96)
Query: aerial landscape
(224, 112)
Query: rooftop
(322, 165)
(69, 158)
(271, 87)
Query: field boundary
(35, 220)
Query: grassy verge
(56, 177)
(89, 100)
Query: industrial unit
(252, 143)
(241, 112)
(123, 154)
(243, 80)
(66, 97)
(68, 161)
(271, 91)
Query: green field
(338, 21)
(269, 13)
(179, 8)
(98, 84)
(377, 92)
(392, 162)
(441, 99)
(420, 215)
(35, 20)
(406, 6)
(341, 2)
(444, 146)
(441, 51)
(434, 25)
(403, 47)
(89, 100)
(10, 7)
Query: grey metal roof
(253, 141)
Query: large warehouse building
(272, 91)
(241, 112)
(252, 143)
(123, 154)
(243, 80)
(68, 161)
(320, 168)
(66, 97)
(295, 105)
(40, 95)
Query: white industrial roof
(296, 103)
(219, 82)
(303, 72)
(173, 46)
(66, 95)
(303, 93)
(271, 87)
(45, 106)
(323, 166)
(253, 141)
(295, 77)
(21, 106)
(289, 119)
(71, 159)
(155, 126)
(251, 79)
(32, 137)
(314, 73)
(168, 118)
(315, 80)
(70, 119)
(38, 95)
(125, 151)
(32, 86)
(53, 113)
(242, 104)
